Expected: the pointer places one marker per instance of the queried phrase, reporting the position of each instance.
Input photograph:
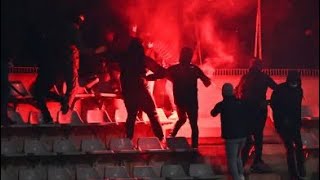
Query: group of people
(243, 110)
(243, 113)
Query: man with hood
(184, 77)
(233, 129)
(252, 89)
(286, 105)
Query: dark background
(290, 43)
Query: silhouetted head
(227, 90)
(294, 79)
(135, 46)
(256, 64)
(186, 54)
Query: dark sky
(289, 43)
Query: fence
(216, 72)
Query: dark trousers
(41, 91)
(46, 79)
(141, 100)
(258, 117)
(192, 113)
(295, 157)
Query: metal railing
(23, 70)
(216, 72)
(271, 72)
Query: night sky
(290, 42)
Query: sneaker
(260, 167)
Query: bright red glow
(82, 18)
(134, 28)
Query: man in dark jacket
(233, 127)
(252, 89)
(59, 61)
(133, 64)
(286, 105)
(184, 77)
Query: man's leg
(241, 144)
(132, 110)
(232, 152)
(193, 120)
(247, 149)
(71, 78)
(182, 119)
(288, 142)
(258, 135)
(43, 84)
(299, 154)
(149, 108)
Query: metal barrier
(23, 70)
(216, 72)
(271, 72)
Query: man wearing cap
(286, 105)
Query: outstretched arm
(205, 79)
(159, 71)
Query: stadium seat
(149, 144)
(19, 94)
(36, 173)
(97, 116)
(144, 172)
(35, 147)
(11, 172)
(121, 145)
(156, 166)
(64, 146)
(178, 144)
(58, 173)
(4, 174)
(85, 172)
(72, 118)
(268, 176)
(16, 117)
(202, 171)
(174, 172)
(35, 117)
(162, 117)
(9, 147)
(116, 172)
(91, 145)
(309, 140)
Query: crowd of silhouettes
(243, 110)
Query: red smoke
(173, 24)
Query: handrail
(271, 72)
(23, 69)
(216, 72)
